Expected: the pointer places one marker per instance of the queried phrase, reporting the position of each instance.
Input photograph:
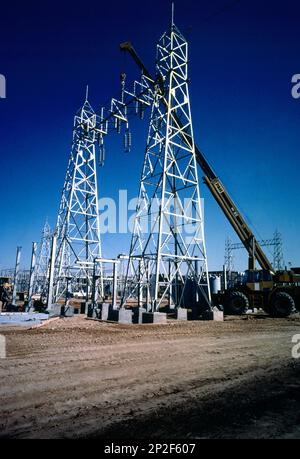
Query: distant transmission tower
(229, 255)
(167, 261)
(275, 242)
(43, 259)
(278, 261)
(78, 226)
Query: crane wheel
(237, 304)
(282, 305)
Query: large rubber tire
(237, 304)
(282, 305)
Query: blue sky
(243, 55)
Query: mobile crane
(278, 293)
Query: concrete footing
(154, 318)
(137, 317)
(181, 314)
(54, 310)
(122, 316)
(140, 314)
(125, 316)
(105, 311)
(67, 311)
(215, 314)
(57, 310)
(113, 314)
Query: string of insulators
(101, 152)
(127, 140)
(123, 79)
(118, 125)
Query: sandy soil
(81, 378)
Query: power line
(226, 7)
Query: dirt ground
(76, 378)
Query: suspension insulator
(123, 78)
(127, 141)
(118, 125)
(102, 154)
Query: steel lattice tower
(78, 226)
(229, 255)
(276, 243)
(278, 261)
(167, 260)
(43, 259)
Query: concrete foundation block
(218, 316)
(69, 311)
(181, 314)
(154, 318)
(215, 314)
(137, 317)
(105, 311)
(113, 314)
(54, 310)
(140, 314)
(125, 316)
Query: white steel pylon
(78, 224)
(167, 261)
(43, 259)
